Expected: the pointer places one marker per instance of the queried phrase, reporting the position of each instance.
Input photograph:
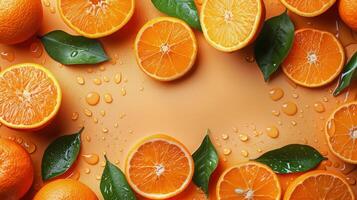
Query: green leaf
(114, 185)
(73, 50)
(60, 155)
(182, 9)
(206, 161)
(291, 158)
(349, 75)
(273, 44)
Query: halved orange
(231, 25)
(249, 180)
(30, 96)
(319, 184)
(165, 48)
(315, 59)
(341, 132)
(308, 8)
(96, 18)
(159, 167)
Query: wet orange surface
(224, 92)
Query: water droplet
(102, 164)
(88, 138)
(36, 49)
(116, 125)
(74, 175)
(295, 96)
(74, 53)
(102, 113)
(88, 113)
(225, 136)
(259, 150)
(8, 56)
(91, 159)
(250, 59)
(46, 3)
(272, 132)
(331, 127)
(275, 113)
(97, 81)
(102, 68)
(227, 151)
(29, 146)
(106, 79)
(289, 108)
(319, 107)
(75, 116)
(235, 129)
(118, 78)
(276, 94)
(92, 98)
(97, 177)
(243, 137)
(80, 80)
(244, 153)
(324, 99)
(53, 10)
(294, 123)
(108, 98)
(123, 91)
(105, 130)
(122, 116)
(87, 171)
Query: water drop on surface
(7, 55)
(29, 146)
(117, 78)
(74, 175)
(91, 159)
(75, 116)
(80, 80)
(88, 113)
(244, 153)
(97, 81)
(108, 98)
(227, 151)
(276, 94)
(319, 107)
(123, 91)
(92, 98)
(225, 136)
(243, 137)
(289, 108)
(36, 49)
(272, 132)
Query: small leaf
(349, 75)
(182, 9)
(206, 161)
(73, 50)
(274, 44)
(292, 158)
(60, 155)
(114, 185)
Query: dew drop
(29, 146)
(319, 107)
(289, 108)
(276, 94)
(108, 98)
(272, 132)
(123, 91)
(75, 116)
(106, 79)
(243, 137)
(92, 98)
(97, 81)
(91, 159)
(227, 151)
(244, 153)
(88, 113)
(80, 80)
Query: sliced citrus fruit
(30, 96)
(315, 59)
(341, 132)
(96, 18)
(159, 167)
(249, 180)
(166, 48)
(231, 25)
(308, 8)
(319, 184)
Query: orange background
(224, 92)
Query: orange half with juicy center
(316, 58)
(248, 181)
(159, 167)
(166, 48)
(319, 184)
(341, 132)
(308, 8)
(96, 18)
(30, 96)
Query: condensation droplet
(97, 81)
(225, 136)
(272, 132)
(102, 113)
(36, 49)
(74, 175)
(105, 130)
(106, 79)
(92, 98)
(276, 94)
(244, 153)
(87, 171)
(227, 151)
(75, 116)
(29, 146)
(275, 113)
(91, 159)
(319, 107)
(243, 137)
(88, 113)
(117, 78)
(80, 80)
(108, 98)
(123, 91)
(8, 56)
(289, 108)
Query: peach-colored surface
(224, 92)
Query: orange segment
(166, 48)
(96, 18)
(308, 8)
(316, 185)
(341, 132)
(231, 25)
(248, 181)
(159, 167)
(30, 96)
(315, 59)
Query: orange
(19, 20)
(249, 180)
(165, 48)
(65, 189)
(159, 167)
(341, 132)
(308, 8)
(96, 18)
(319, 184)
(348, 12)
(315, 59)
(231, 25)
(30, 96)
(16, 170)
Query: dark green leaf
(292, 158)
(114, 185)
(182, 9)
(60, 155)
(73, 50)
(206, 161)
(274, 44)
(349, 75)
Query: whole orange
(16, 170)
(19, 20)
(65, 189)
(348, 12)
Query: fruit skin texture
(16, 170)
(65, 189)
(19, 20)
(348, 12)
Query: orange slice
(308, 8)
(166, 48)
(315, 59)
(159, 167)
(96, 18)
(341, 132)
(249, 180)
(30, 96)
(231, 25)
(317, 185)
